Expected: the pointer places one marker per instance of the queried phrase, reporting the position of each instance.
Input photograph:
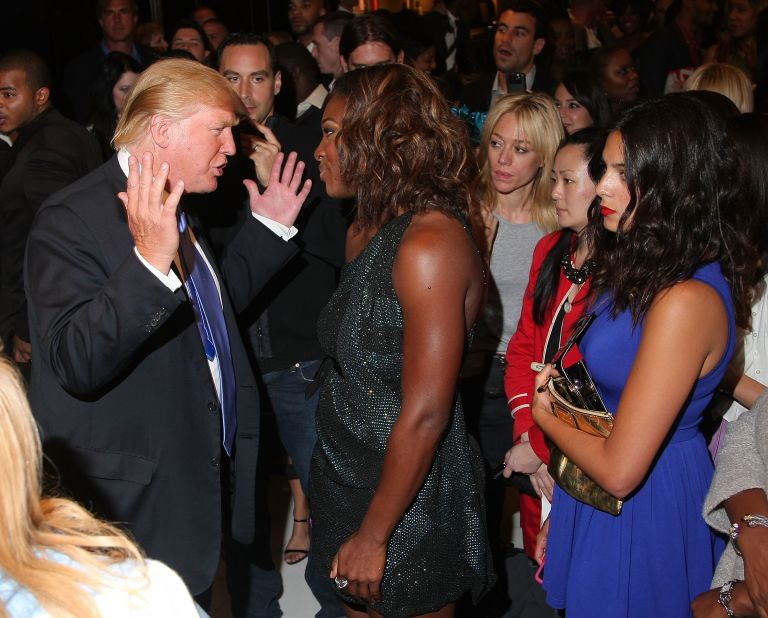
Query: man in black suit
(141, 384)
(117, 19)
(49, 153)
(519, 39)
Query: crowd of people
(433, 249)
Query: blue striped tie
(209, 315)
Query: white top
(752, 348)
(156, 592)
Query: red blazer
(527, 346)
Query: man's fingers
(157, 187)
(253, 190)
(145, 177)
(297, 175)
(172, 202)
(288, 168)
(123, 197)
(269, 136)
(274, 175)
(305, 191)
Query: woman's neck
(517, 206)
(582, 252)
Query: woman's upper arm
(433, 275)
(684, 336)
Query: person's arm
(434, 273)
(747, 391)
(707, 604)
(684, 337)
(753, 544)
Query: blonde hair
(174, 88)
(725, 79)
(539, 120)
(32, 524)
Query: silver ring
(341, 582)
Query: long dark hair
(400, 147)
(103, 112)
(679, 171)
(591, 142)
(749, 135)
(586, 88)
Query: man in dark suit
(117, 19)
(141, 384)
(49, 153)
(519, 39)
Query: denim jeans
(295, 416)
(294, 413)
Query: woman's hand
(361, 560)
(707, 605)
(540, 550)
(542, 482)
(754, 549)
(541, 405)
(521, 458)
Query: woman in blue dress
(667, 293)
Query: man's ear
(161, 129)
(42, 96)
(400, 57)
(344, 65)
(538, 45)
(278, 82)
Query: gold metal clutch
(567, 474)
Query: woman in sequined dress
(395, 485)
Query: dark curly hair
(400, 147)
(681, 214)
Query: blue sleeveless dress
(658, 554)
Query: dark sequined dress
(439, 549)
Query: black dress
(439, 549)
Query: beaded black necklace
(573, 274)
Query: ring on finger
(341, 582)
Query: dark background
(61, 29)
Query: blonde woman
(56, 558)
(514, 210)
(725, 79)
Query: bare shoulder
(690, 313)
(437, 236)
(690, 301)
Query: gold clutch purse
(572, 479)
(576, 401)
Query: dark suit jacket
(80, 75)
(121, 386)
(665, 51)
(281, 323)
(477, 94)
(50, 153)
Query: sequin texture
(439, 549)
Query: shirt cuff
(283, 231)
(171, 280)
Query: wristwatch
(726, 596)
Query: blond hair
(174, 88)
(32, 524)
(538, 118)
(725, 79)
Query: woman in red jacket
(554, 300)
